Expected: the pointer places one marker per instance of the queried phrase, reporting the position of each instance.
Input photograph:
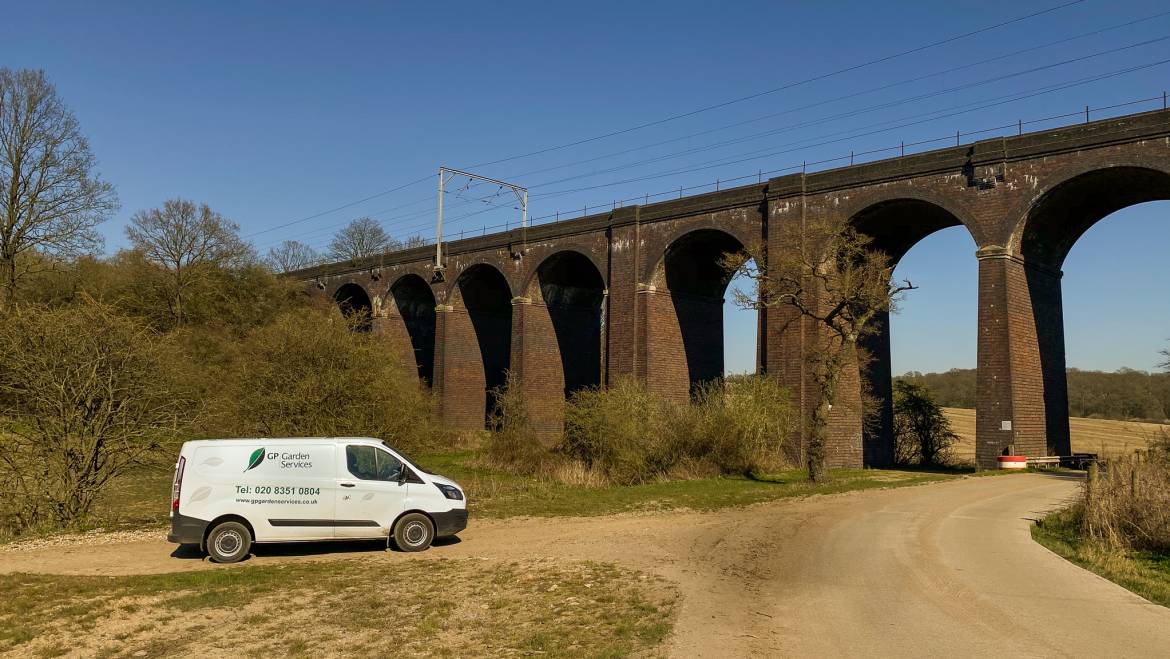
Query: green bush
(308, 374)
(922, 433)
(630, 435)
(743, 424)
(512, 445)
(623, 432)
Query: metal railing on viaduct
(638, 291)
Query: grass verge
(395, 607)
(1143, 573)
(495, 493)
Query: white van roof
(287, 440)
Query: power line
(341, 207)
(900, 147)
(787, 86)
(848, 134)
(701, 110)
(871, 90)
(851, 113)
(886, 149)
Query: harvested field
(1101, 436)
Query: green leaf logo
(256, 458)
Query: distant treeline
(1125, 394)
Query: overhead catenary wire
(934, 117)
(786, 86)
(851, 113)
(850, 134)
(708, 108)
(885, 87)
(900, 147)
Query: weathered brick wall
(460, 382)
(666, 371)
(537, 365)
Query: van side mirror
(402, 474)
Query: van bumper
(450, 522)
(187, 530)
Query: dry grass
(1144, 573)
(396, 607)
(1128, 505)
(1101, 436)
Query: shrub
(84, 396)
(623, 432)
(630, 435)
(308, 374)
(1128, 505)
(512, 445)
(743, 424)
(922, 433)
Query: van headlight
(450, 491)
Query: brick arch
(355, 303)
(684, 311)
(898, 220)
(390, 275)
(560, 333)
(896, 223)
(741, 231)
(453, 297)
(568, 291)
(530, 284)
(1045, 225)
(409, 311)
(1066, 204)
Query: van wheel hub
(415, 533)
(228, 543)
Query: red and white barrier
(1013, 462)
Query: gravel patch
(88, 538)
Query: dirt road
(941, 569)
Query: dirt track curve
(942, 569)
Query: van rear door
(369, 494)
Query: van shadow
(314, 548)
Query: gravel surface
(88, 538)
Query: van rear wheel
(414, 532)
(228, 542)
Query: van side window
(370, 464)
(362, 462)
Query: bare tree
(414, 241)
(834, 278)
(85, 394)
(51, 199)
(292, 255)
(361, 238)
(1166, 364)
(186, 240)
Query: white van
(229, 493)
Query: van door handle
(346, 484)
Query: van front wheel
(228, 542)
(414, 532)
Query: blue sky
(275, 112)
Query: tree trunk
(8, 283)
(826, 375)
(818, 471)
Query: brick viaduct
(638, 292)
